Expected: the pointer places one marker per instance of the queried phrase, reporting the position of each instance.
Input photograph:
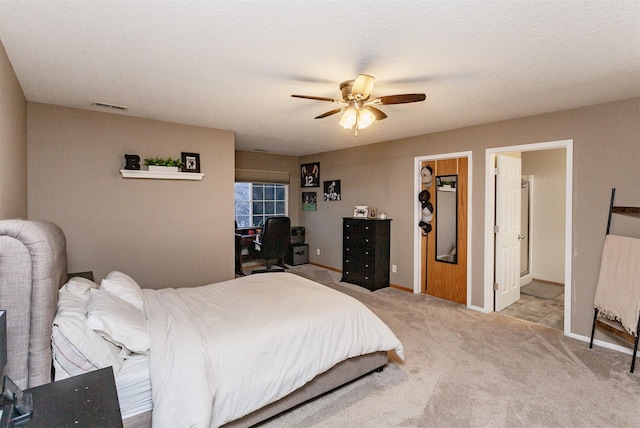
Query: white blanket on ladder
(618, 290)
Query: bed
(251, 362)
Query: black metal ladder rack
(613, 209)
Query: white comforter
(221, 351)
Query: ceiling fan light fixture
(365, 118)
(348, 118)
(356, 103)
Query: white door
(507, 242)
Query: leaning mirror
(447, 218)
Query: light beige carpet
(468, 369)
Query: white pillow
(79, 286)
(76, 347)
(118, 321)
(124, 287)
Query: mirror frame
(439, 180)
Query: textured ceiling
(234, 64)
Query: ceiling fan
(358, 108)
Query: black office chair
(274, 243)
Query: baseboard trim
(401, 288)
(325, 267)
(602, 343)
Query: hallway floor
(541, 311)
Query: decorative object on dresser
(365, 252)
(361, 211)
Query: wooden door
(447, 280)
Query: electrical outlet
(394, 269)
(318, 251)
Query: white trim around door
(489, 215)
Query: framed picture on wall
(332, 190)
(191, 162)
(310, 175)
(309, 201)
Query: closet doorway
(547, 216)
(442, 250)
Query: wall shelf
(129, 173)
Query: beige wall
(13, 143)
(177, 233)
(548, 219)
(606, 154)
(270, 162)
(161, 232)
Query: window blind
(258, 176)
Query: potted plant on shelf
(163, 165)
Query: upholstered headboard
(33, 266)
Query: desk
(245, 249)
(88, 400)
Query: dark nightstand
(88, 400)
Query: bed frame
(33, 266)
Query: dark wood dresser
(365, 252)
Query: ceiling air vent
(107, 105)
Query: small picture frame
(191, 162)
(361, 211)
(373, 212)
(309, 201)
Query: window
(255, 202)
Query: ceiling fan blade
(363, 85)
(329, 113)
(379, 114)
(400, 99)
(311, 97)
